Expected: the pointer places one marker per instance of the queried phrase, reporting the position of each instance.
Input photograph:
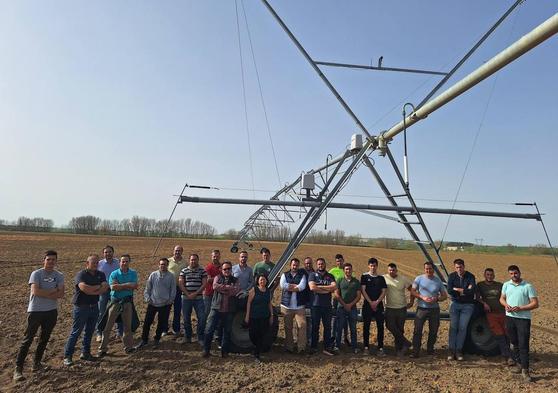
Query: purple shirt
(107, 267)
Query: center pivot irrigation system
(314, 191)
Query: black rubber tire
(234, 249)
(240, 338)
(480, 340)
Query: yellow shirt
(176, 267)
(395, 293)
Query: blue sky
(108, 108)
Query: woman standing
(259, 314)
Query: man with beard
(322, 284)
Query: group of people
(309, 299)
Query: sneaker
(224, 354)
(525, 375)
(510, 362)
(430, 351)
(101, 353)
(99, 338)
(414, 354)
(257, 361)
(18, 375)
(88, 357)
(205, 354)
(356, 350)
(381, 352)
(460, 357)
(140, 345)
(37, 367)
(335, 349)
(328, 352)
(68, 362)
(129, 351)
(312, 351)
(155, 344)
(517, 369)
(451, 356)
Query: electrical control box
(356, 142)
(308, 181)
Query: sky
(109, 108)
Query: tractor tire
(234, 249)
(480, 340)
(240, 338)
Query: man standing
(489, 292)
(243, 273)
(123, 282)
(89, 284)
(226, 288)
(192, 282)
(322, 284)
(293, 283)
(47, 286)
(348, 295)
(462, 289)
(374, 290)
(309, 268)
(159, 294)
(429, 290)
(337, 273)
(264, 267)
(107, 266)
(519, 297)
(213, 269)
(396, 307)
(176, 264)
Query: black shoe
(129, 351)
(37, 367)
(88, 357)
(102, 354)
(224, 354)
(140, 345)
(205, 354)
(155, 344)
(347, 341)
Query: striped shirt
(193, 279)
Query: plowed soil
(179, 367)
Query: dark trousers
(84, 316)
(257, 330)
(433, 317)
(378, 315)
(177, 311)
(395, 323)
(216, 320)
(46, 320)
(519, 331)
(162, 321)
(323, 314)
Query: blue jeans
(103, 301)
(197, 305)
(323, 314)
(460, 315)
(177, 311)
(217, 319)
(344, 316)
(84, 317)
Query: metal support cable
(244, 99)
(546, 234)
(261, 93)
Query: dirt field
(176, 367)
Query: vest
(286, 295)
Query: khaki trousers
(300, 317)
(127, 337)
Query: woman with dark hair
(259, 314)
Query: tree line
(135, 226)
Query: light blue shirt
(121, 278)
(108, 267)
(160, 289)
(519, 295)
(429, 287)
(245, 276)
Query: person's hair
(243, 252)
(295, 260)
(305, 258)
(265, 249)
(50, 253)
(392, 265)
(320, 259)
(513, 268)
(429, 263)
(93, 255)
(226, 262)
(347, 264)
(164, 260)
(372, 261)
(459, 261)
(339, 256)
(216, 251)
(194, 255)
(109, 246)
(489, 269)
(259, 276)
(126, 256)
